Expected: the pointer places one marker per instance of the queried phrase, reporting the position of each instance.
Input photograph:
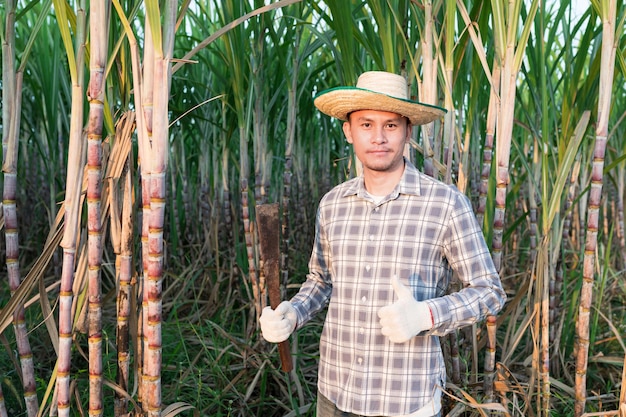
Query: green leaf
(65, 17)
(564, 169)
(154, 20)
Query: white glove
(406, 317)
(277, 325)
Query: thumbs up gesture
(406, 317)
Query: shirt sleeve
(467, 253)
(315, 292)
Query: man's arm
(468, 255)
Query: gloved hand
(406, 317)
(277, 325)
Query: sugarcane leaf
(176, 408)
(51, 384)
(564, 168)
(48, 315)
(499, 24)
(33, 33)
(228, 27)
(154, 20)
(523, 40)
(65, 18)
(614, 163)
(35, 273)
(477, 42)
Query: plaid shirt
(419, 231)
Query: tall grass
(528, 95)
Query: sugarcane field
(163, 168)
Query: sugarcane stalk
(122, 240)
(163, 50)
(449, 125)
(569, 236)
(493, 111)
(12, 99)
(622, 396)
(621, 183)
(608, 11)
(125, 282)
(493, 108)
(532, 198)
(74, 181)
(490, 358)
(12, 257)
(503, 151)
(292, 114)
(262, 163)
(284, 264)
(428, 91)
(543, 300)
(250, 246)
(509, 55)
(247, 224)
(509, 52)
(143, 81)
(3, 407)
(8, 75)
(556, 284)
(232, 41)
(226, 204)
(455, 360)
(145, 163)
(98, 16)
(94, 190)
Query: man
(384, 245)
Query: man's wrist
(430, 314)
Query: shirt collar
(409, 183)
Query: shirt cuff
(438, 312)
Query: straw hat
(376, 90)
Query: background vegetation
(534, 135)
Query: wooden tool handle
(269, 237)
(284, 350)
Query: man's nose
(379, 136)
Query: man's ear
(409, 131)
(346, 131)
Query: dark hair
(408, 121)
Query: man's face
(378, 138)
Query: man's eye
(366, 125)
(391, 125)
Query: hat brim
(340, 101)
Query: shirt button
(377, 209)
(361, 330)
(367, 268)
(364, 298)
(372, 238)
(359, 361)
